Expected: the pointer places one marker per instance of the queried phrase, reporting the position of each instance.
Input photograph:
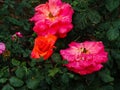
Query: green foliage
(8, 87)
(96, 20)
(105, 76)
(16, 82)
(113, 33)
(112, 4)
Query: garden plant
(59, 44)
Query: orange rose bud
(43, 46)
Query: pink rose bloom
(54, 17)
(17, 34)
(2, 47)
(85, 58)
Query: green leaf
(20, 72)
(80, 20)
(8, 87)
(53, 71)
(112, 4)
(107, 87)
(56, 57)
(33, 63)
(33, 83)
(116, 56)
(94, 16)
(16, 82)
(70, 75)
(110, 62)
(15, 62)
(14, 21)
(113, 33)
(105, 76)
(116, 23)
(1, 74)
(3, 80)
(6, 72)
(65, 78)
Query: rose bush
(92, 20)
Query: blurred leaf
(65, 78)
(116, 56)
(112, 4)
(32, 83)
(78, 86)
(105, 76)
(94, 16)
(110, 62)
(26, 53)
(14, 21)
(1, 74)
(107, 87)
(53, 71)
(56, 57)
(8, 87)
(80, 20)
(20, 72)
(3, 80)
(113, 33)
(15, 62)
(33, 63)
(16, 82)
(70, 75)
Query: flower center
(51, 15)
(83, 50)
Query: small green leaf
(64, 61)
(33, 63)
(105, 76)
(113, 33)
(94, 16)
(70, 75)
(3, 80)
(53, 71)
(112, 4)
(8, 87)
(1, 74)
(20, 72)
(15, 62)
(116, 56)
(56, 57)
(14, 81)
(14, 21)
(26, 53)
(65, 78)
(33, 83)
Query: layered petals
(55, 16)
(85, 58)
(43, 46)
